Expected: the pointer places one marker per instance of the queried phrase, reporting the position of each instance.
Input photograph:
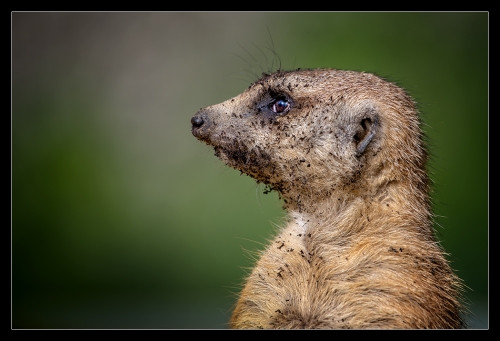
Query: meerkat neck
(398, 203)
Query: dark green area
(122, 219)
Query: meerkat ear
(367, 128)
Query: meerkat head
(314, 132)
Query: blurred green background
(122, 219)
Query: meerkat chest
(288, 251)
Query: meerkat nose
(197, 120)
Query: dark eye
(280, 106)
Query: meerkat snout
(197, 121)
(200, 124)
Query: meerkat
(346, 154)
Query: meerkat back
(344, 151)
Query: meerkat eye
(280, 106)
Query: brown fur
(348, 160)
